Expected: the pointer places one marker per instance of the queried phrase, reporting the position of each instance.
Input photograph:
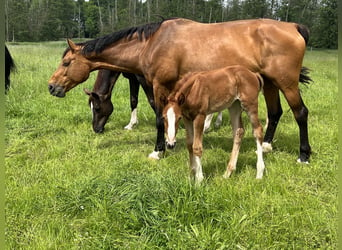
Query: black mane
(99, 44)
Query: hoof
(266, 147)
(300, 161)
(155, 155)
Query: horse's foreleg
(159, 148)
(148, 92)
(238, 132)
(300, 112)
(134, 95)
(274, 112)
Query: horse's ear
(163, 99)
(181, 99)
(87, 91)
(72, 45)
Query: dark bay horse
(100, 97)
(9, 67)
(163, 52)
(195, 96)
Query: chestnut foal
(195, 96)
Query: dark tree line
(46, 20)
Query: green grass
(69, 188)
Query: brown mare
(195, 96)
(100, 97)
(163, 52)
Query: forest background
(50, 20)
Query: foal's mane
(183, 86)
(99, 44)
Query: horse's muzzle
(98, 130)
(170, 145)
(56, 90)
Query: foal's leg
(207, 122)
(238, 132)
(194, 136)
(274, 112)
(134, 95)
(252, 111)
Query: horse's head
(101, 107)
(172, 114)
(73, 70)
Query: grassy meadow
(69, 188)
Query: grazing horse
(9, 67)
(165, 51)
(100, 97)
(195, 96)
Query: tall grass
(69, 188)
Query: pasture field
(69, 188)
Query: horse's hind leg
(134, 95)
(238, 132)
(300, 113)
(274, 112)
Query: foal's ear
(181, 99)
(72, 45)
(163, 99)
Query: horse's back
(257, 44)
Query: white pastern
(260, 161)
(155, 155)
(197, 168)
(299, 161)
(266, 147)
(133, 121)
(171, 130)
(207, 122)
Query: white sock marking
(171, 130)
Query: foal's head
(101, 107)
(172, 113)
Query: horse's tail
(303, 76)
(304, 31)
(9, 60)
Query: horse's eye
(66, 64)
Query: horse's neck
(122, 57)
(105, 82)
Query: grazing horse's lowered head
(100, 98)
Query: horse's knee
(197, 150)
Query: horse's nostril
(99, 130)
(51, 87)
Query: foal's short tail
(303, 76)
